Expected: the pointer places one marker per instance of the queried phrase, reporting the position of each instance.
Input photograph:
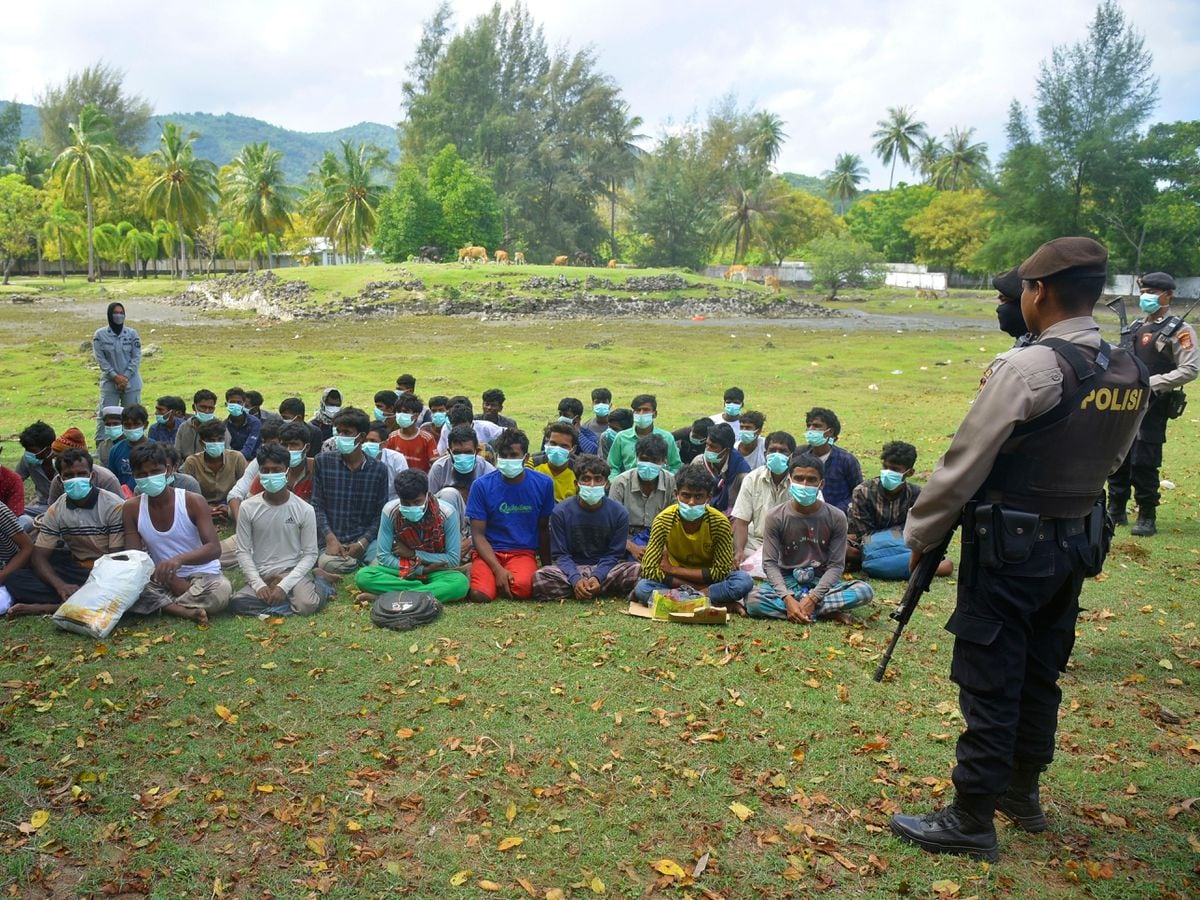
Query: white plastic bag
(114, 585)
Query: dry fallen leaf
(490, 886)
(509, 842)
(39, 818)
(668, 867)
(459, 878)
(740, 810)
(945, 888)
(596, 885)
(511, 812)
(230, 718)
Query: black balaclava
(117, 327)
(1012, 322)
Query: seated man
(619, 419)
(187, 438)
(842, 471)
(601, 407)
(691, 441)
(135, 422)
(176, 528)
(169, 415)
(415, 443)
(804, 555)
(420, 541)
(254, 406)
(439, 417)
(733, 399)
(112, 434)
(407, 384)
(623, 455)
(451, 477)
(16, 548)
(559, 446)
(244, 429)
(217, 469)
(644, 491)
(101, 477)
(587, 542)
(87, 521)
(349, 491)
(878, 511)
(570, 412)
(376, 448)
(385, 409)
(509, 511)
(493, 408)
(37, 465)
(760, 492)
(462, 414)
(691, 547)
(330, 406)
(725, 464)
(277, 544)
(749, 435)
(291, 412)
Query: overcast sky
(829, 70)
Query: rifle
(918, 583)
(1117, 305)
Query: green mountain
(807, 183)
(222, 137)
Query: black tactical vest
(1145, 343)
(1056, 465)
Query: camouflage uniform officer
(1167, 345)
(1051, 421)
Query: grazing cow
(583, 258)
(502, 257)
(772, 281)
(519, 258)
(470, 254)
(561, 261)
(738, 272)
(612, 263)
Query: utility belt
(1003, 536)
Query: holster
(1099, 527)
(1176, 403)
(1005, 536)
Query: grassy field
(568, 749)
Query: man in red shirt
(417, 445)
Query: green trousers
(446, 585)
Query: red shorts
(522, 564)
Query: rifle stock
(918, 583)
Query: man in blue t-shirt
(509, 510)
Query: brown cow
(502, 257)
(738, 272)
(612, 263)
(470, 254)
(518, 258)
(772, 281)
(561, 261)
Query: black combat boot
(1116, 511)
(1021, 803)
(1144, 526)
(965, 827)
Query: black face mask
(1011, 321)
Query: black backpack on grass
(405, 610)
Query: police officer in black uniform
(1167, 345)
(1025, 472)
(1008, 306)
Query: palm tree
(258, 192)
(618, 160)
(60, 226)
(31, 161)
(963, 164)
(766, 138)
(91, 162)
(345, 202)
(897, 136)
(745, 213)
(843, 179)
(184, 190)
(136, 245)
(107, 238)
(234, 242)
(928, 154)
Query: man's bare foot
(841, 618)
(945, 567)
(738, 609)
(197, 615)
(364, 597)
(328, 576)
(31, 609)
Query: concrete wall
(1124, 285)
(905, 275)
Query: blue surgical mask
(379, 414)
(77, 488)
(412, 513)
(732, 409)
(332, 411)
(214, 448)
(295, 458)
(648, 471)
(691, 513)
(345, 444)
(567, 420)
(464, 462)
(643, 420)
(602, 409)
(205, 417)
(815, 438)
(371, 448)
(557, 455)
(891, 480)
(803, 494)
(697, 441)
(610, 434)
(151, 485)
(160, 420)
(112, 432)
(439, 418)
(591, 494)
(747, 437)
(777, 463)
(235, 409)
(1149, 304)
(30, 458)
(273, 482)
(712, 457)
(404, 420)
(510, 468)
(133, 435)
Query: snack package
(114, 585)
(676, 601)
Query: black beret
(1159, 281)
(1077, 255)
(721, 434)
(1008, 284)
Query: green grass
(368, 763)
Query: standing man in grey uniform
(1167, 345)
(1025, 472)
(118, 352)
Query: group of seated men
(428, 496)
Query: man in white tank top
(175, 527)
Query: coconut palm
(896, 137)
(843, 179)
(259, 194)
(91, 162)
(184, 189)
(61, 226)
(136, 246)
(766, 137)
(32, 162)
(345, 202)
(745, 213)
(963, 164)
(234, 242)
(619, 155)
(107, 240)
(928, 154)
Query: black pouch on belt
(1005, 536)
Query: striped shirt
(9, 528)
(89, 529)
(719, 550)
